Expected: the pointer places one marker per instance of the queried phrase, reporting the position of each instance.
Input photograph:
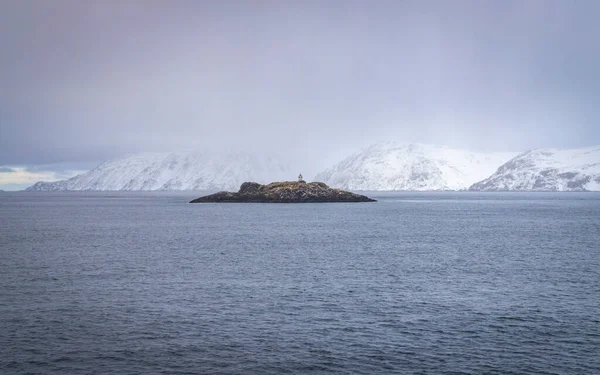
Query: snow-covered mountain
(547, 170)
(176, 171)
(395, 166)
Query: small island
(284, 192)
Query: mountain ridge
(174, 171)
(389, 166)
(393, 166)
(547, 169)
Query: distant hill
(176, 171)
(547, 169)
(414, 167)
(388, 166)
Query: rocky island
(284, 192)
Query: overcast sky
(83, 81)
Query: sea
(415, 283)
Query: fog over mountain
(413, 167)
(547, 170)
(85, 82)
(190, 170)
(388, 166)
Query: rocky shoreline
(284, 192)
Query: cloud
(14, 178)
(22, 175)
(87, 81)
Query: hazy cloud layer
(18, 178)
(21, 177)
(87, 80)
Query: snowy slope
(547, 170)
(396, 166)
(176, 171)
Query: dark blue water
(415, 283)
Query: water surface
(415, 283)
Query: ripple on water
(421, 284)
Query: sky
(86, 81)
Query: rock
(250, 188)
(284, 192)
